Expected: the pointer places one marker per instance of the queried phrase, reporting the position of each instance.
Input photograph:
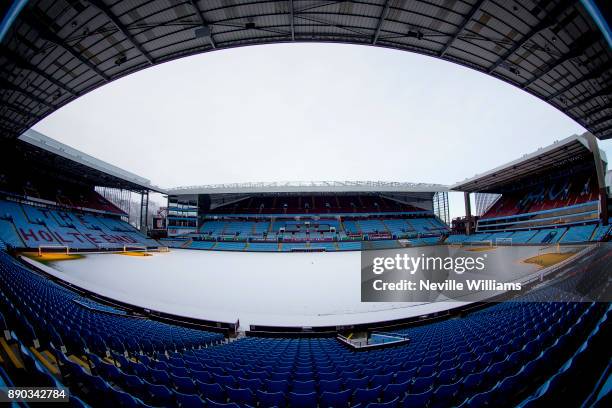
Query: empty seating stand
(548, 236)
(500, 355)
(350, 245)
(522, 237)
(25, 226)
(578, 234)
(601, 232)
(263, 246)
(456, 238)
(262, 233)
(201, 245)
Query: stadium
(268, 294)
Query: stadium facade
(555, 194)
(295, 216)
(53, 196)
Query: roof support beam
(595, 111)
(602, 92)
(57, 41)
(24, 64)
(203, 21)
(548, 20)
(115, 20)
(381, 20)
(10, 131)
(19, 110)
(330, 24)
(291, 11)
(605, 136)
(13, 122)
(604, 130)
(464, 24)
(320, 5)
(577, 48)
(51, 37)
(600, 121)
(11, 87)
(592, 75)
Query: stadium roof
(55, 51)
(63, 159)
(560, 153)
(310, 187)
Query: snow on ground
(286, 289)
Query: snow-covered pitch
(284, 289)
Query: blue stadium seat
(474, 382)
(159, 377)
(354, 383)
(484, 399)
(277, 385)
(212, 391)
(253, 384)
(365, 396)
(123, 400)
(158, 395)
(405, 375)
(381, 380)
(178, 371)
(428, 369)
(445, 394)
(271, 399)
(139, 369)
(216, 404)
(184, 384)
(224, 380)
(422, 384)
(447, 376)
(307, 400)
(393, 391)
(304, 387)
(417, 400)
(337, 399)
(188, 400)
(241, 395)
(109, 372)
(133, 384)
(330, 385)
(389, 404)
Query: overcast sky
(308, 112)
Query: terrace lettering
(47, 236)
